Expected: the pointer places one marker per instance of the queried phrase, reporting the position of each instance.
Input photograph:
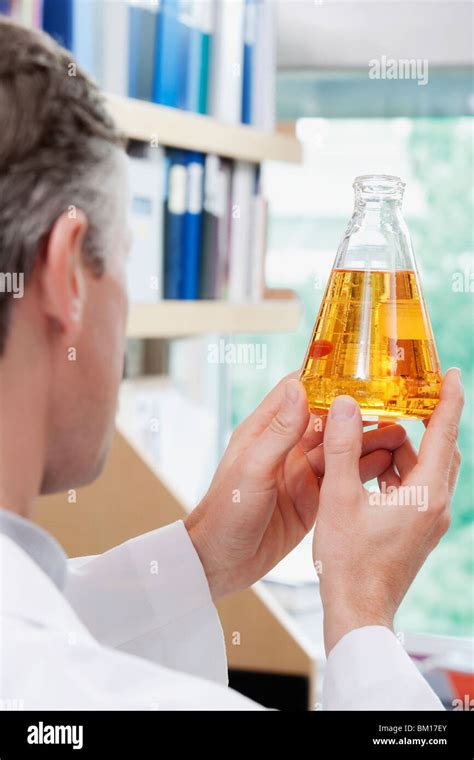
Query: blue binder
(192, 243)
(57, 21)
(172, 42)
(193, 82)
(249, 42)
(142, 33)
(175, 210)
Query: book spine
(57, 21)
(174, 224)
(264, 66)
(243, 180)
(249, 45)
(227, 62)
(142, 39)
(87, 33)
(144, 264)
(192, 226)
(170, 56)
(114, 43)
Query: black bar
(309, 735)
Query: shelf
(172, 319)
(142, 120)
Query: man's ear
(62, 276)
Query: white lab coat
(136, 629)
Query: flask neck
(378, 194)
(377, 237)
(376, 205)
(378, 200)
(376, 189)
(376, 212)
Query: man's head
(63, 228)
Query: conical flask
(372, 339)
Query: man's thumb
(285, 429)
(342, 444)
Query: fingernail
(459, 373)
(343, 408)
(292, 391)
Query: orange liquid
(373, 341)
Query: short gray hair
(57, 150)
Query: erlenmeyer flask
(372, 339)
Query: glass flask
(372, 339)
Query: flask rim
(379, 185)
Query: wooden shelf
(142, 120)
(172, 319)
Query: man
(105, 632)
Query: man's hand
(264, 496)
(368, 547)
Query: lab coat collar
(29, 593)
(38, 544)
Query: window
(310, 206)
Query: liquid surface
(373, 341)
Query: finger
(302, 488)
(389, 478)
(314, 433)
(342, 447)
(454, 471)
(373, 464)
(439, 441)
(387, 438)
(282, 434)
(405, 458)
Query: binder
(142, 34)
(27, 12)
(87, 35)
(258, 247)
(215, 235)
(57, 21)
(199, 20)
(227, 62)
(193, 59)
(264, 67)
(174, 223)
(206, 22)
(243, 188)
(171, 55)
(115, 47)
(250, 32)
(192, 226)
(145, 260)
